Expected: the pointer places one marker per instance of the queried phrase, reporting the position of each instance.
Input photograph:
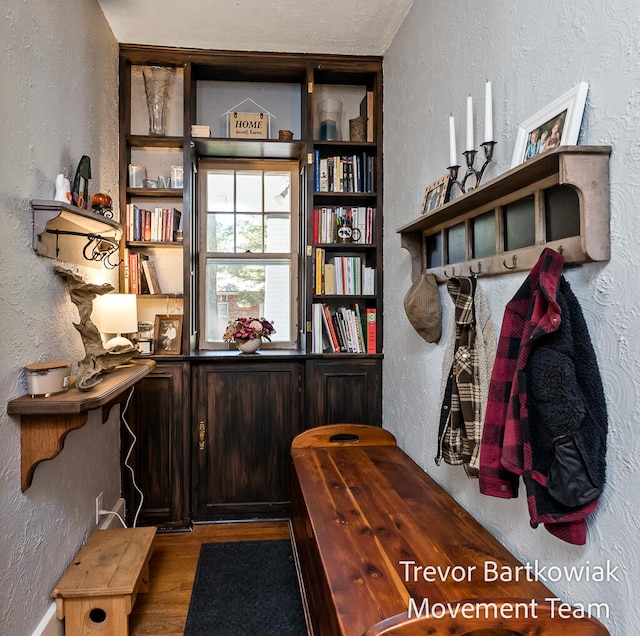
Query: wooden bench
(382, 549)
(97, 592)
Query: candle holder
(470, 157)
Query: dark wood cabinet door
(159, 456)
(246, 416)
(343, 390)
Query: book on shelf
(151, 276)
(370, 313)
(136, 279)
(338, 331)
(342, 275)
(343, 173)
(366, 110)
(319, 271)
(327, 220)
(200, 130)
(155, 226)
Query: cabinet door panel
(343, 391)
(249, 415)
(156, 417)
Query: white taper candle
(469, 123)
(488, 113)
(452, 142)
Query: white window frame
(293, 256)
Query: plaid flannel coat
(531, 406)
(466, 370)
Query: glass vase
(156, 88)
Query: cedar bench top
(108, 564)
(370, 508)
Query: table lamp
(117, 314)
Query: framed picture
(167, 334)
(436, 194)
(558, 124)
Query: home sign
(249, 125)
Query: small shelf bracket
(45, 422)
(98, 248)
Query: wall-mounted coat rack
(558, 200)
(64, 231)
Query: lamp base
(118, 342)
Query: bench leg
(99, 615)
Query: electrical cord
(126, 459)
(112, 512)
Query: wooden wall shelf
(51, 216)
(46, 421)
(583, 169)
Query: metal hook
(514, 261)
(479, 269)
(561, 249)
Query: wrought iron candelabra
(470, 157)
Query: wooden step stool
(97, 592)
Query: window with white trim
(248, 248)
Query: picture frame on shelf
(435, 194)
(167, 334)
(557, 124)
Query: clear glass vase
(156, 87)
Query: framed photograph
(436, 194)
(167, 334)
(558, 124)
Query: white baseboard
(112, 521)
(50, 625)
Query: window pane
(519, 223)
(249, 233)
(457, 251)
(277, 187)
(219, 232)
(277, 233)
(249, 191)
(484, 235)
(220, 191)
(246, 288)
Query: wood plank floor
(162, 611)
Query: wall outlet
(99, 506)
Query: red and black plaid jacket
(529, 410)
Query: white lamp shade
(117, 313)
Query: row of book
(157, 225)
(140, 274)
(343, 330)
(327, 221)
(342, 275)
(343, 173)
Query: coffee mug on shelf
(348, 234)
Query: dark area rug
(246, 588)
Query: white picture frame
(560, 121)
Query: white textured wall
(58, 71)
(533, 52)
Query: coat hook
(514, 261)
(479, 269)
(453, 272)
(561, 249)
